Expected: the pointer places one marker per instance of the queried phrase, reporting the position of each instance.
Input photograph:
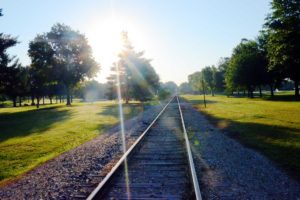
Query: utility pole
(203, 93)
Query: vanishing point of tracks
(159, 165)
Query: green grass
(29, 137)
(270, 125)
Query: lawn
(270, 125)
(29, 137)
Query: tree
(111, 87)
(266, 75)
(208, 77)
(15, 82)
(169, 86)
(283, 45)
(72, 56)
(138, 79)
(42, 66)
(246, 67)
(185, 88)
(195, 81)
(9, 67)
(219, 74)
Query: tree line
(60, 59)
(268, 60)
(62, 64)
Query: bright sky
(179, 36)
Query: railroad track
(159, 165)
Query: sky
(180, 36)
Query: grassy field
(270, 125)
(29, 137)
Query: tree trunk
(50, 99)
(244, 93)
(37, 102)
(20, 101)
(271, 90)
(32, 100)
(14, 101)
(60, 98)
(56, 99)
(238, 92)
(43, 100)
(71, 98)
(260, 93)
(296, 88)
(68, 97)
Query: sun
(105, 39)
(104, 36)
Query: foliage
(43, 69)
(283, 45)
(72, 55)
(60, 59)
(208, 75)
(12, 75)
(137, 78)
(247, 67)
(169, 86)
(185, 88)
(163, 94)
(195, 81)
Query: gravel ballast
(74, 174)
(227, 170)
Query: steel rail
(190, 156)
(124, 157)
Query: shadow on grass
(200, 102)
(289, 98)
(25, 123)
(279, 143)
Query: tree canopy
(138, 79)
(283, 45)
(61, 56)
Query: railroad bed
(158, 167)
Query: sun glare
(105, 39)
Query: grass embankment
(270, 125)
(29, 137)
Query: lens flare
(122, 130)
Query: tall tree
(246, 66)
(138, 79)
(283, 25)
(42, 66)
(219, 75)
(9, 67)
(72, 56)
